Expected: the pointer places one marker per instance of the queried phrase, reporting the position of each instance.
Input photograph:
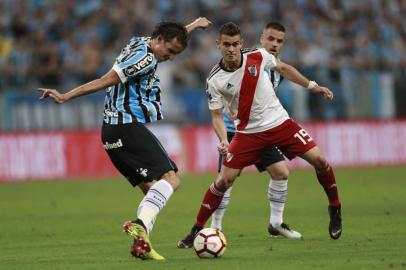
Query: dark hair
(230, 29)
(171, 30)
(276, 26)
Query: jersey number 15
(303, 136)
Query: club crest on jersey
(229, 85)
(229, 157)
(253, 70)
(142, 171)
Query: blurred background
(356, 48)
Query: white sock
(277, 194)
(218, 214)
(153, 202)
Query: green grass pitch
(77, 224)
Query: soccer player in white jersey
(272, 160)
(132, 100)
(241, 80)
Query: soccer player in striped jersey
(272, 160)
(261, 122)
(133, 99)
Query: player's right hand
(223, 147)
(52, 93)
(202, 23)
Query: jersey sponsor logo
(145, 61)
(115, 145)
(142, 171)
(109, 113)
(252, 69)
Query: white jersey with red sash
(248, 91)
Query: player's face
(230, 47)
(272, 40)
(166, 50)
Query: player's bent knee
(223, 183)
(144, 186)
(320, 163)
(280, 174)
(226, 178)
(172, 178)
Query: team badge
(252, 70)
(129, 71)
(229, 157)
(142, 171)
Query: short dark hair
(171, 30)
(230, 29)
(276, 26)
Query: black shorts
(136, 152)
(269, 156)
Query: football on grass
(209, 243)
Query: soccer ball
(209, 243)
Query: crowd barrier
(80, 154)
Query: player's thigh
(244, 150)
(139, 155)
(293, 140)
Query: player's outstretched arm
(292, 74)
(201, 22)
(109, 79)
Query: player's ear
(159, 39)
(218, 43)
(242, 42)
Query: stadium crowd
(65, 43)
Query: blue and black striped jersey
(275, 78)
(137, 98)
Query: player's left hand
(201, 22)
(324, 91)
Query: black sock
(196, 229)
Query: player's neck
(232, 65)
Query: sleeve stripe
(120, 73)
(214, 71)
